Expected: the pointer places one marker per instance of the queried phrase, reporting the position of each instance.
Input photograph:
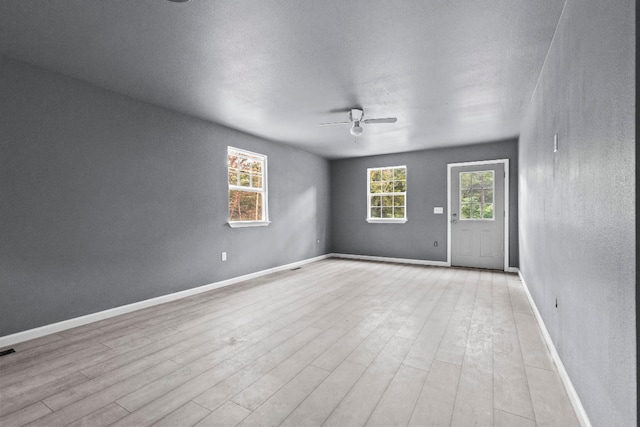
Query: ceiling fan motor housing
(356, 115)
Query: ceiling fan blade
(386, 120)
(333, 123)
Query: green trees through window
(247, 187)
(387, 193)
(476, 195)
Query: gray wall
(426, 188)
(577, 212)
(108, 201)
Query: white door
(477, 215)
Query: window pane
(387, 186)
(465, 180)
(258, 213)
(476, 196)
(245, 206)
(256, 181)
(374, 175)
(398, 212)
(488, 196)
(376, 201)
(399, 186)
(232, 162)
(465, 211)
(375, 188)
(256, 168)
(387, 212)
(475, 211)
(387, 200)
(387, 174)
(476, 179)
(233, 177)
(244, 179)
(488, 211)
(400, 173)
(376, 213)
(398, 201)
(244, 164)
(487, 179)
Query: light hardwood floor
(335, 343)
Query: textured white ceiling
(453, 72)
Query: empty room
(305, 213)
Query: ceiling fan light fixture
(356, 129)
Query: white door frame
(506, 205)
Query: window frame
(371, 220)
(482, 204)
(264, 190)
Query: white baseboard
(405, 261)
(30, 334)
(564, 376)
(388, 259)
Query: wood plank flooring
(335, 343)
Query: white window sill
(243, 224)
(386, 220)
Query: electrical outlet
(224, 256)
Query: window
(387, 196)
(476, 195)
(247, 176)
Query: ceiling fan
(356, 120)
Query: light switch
(438, 210)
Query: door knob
(454, 218)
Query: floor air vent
(7, 351)
(296, 268)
